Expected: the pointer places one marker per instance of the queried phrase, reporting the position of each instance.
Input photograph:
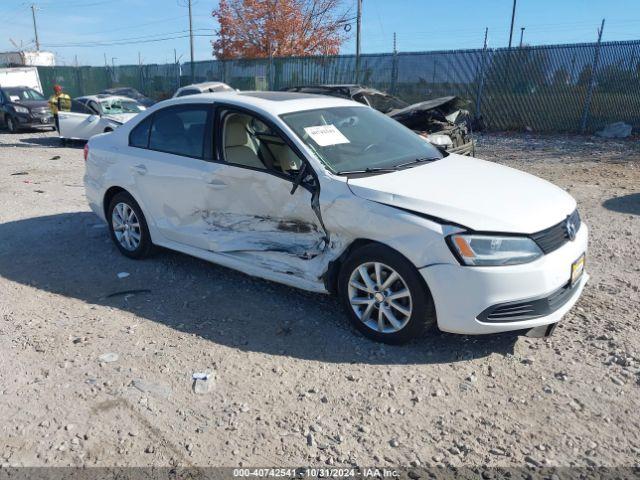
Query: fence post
(394, 72)
(481, 75)
(592, 82)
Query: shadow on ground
(71, 255)
(625, 204)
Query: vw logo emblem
(570, 228)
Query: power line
(100, 42)
(117, 43)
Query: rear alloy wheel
(12, 125)
(384, 295)
(128, 227)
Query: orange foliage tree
(279, 28)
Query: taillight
(86, 151)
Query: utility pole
(478, 113)
(35, 26)
(513, 17)
(521, 35)
(358, 32)
(592, 81)
(193, 67)
(394, 65)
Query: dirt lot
(294, 385)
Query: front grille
(555, 237)
(528, 309)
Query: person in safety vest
(59, 101)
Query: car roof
(204, 85)
(275, 103)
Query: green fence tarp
(543, 88)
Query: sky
(91, 29)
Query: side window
(139, 136)
(249, 142)
(180, 130)
(79, 107)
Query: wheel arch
(333, 270)
(108, 196)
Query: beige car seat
(238, 147)
(285, 158)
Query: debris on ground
(108, 357)
(615, 130)
(202, 383)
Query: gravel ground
(93, 376)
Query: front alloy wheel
(384, 295)
(379, 297)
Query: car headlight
(20, 109)
(439, 140)
(490, 250)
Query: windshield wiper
(369, 170)
(415, 162)
(395, 168)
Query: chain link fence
(156, 81)
(557, 88)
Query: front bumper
(464, 295)
(35, 120)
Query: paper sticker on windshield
(326, 135)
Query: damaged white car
(328, 195)
(94, 114)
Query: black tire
(12, 124)
(423, 315)
(145, 246)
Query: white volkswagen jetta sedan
(329, 195)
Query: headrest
(235, 131)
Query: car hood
(33, 104)
(120, 117)
(477, 194)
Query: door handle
(139, 169)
